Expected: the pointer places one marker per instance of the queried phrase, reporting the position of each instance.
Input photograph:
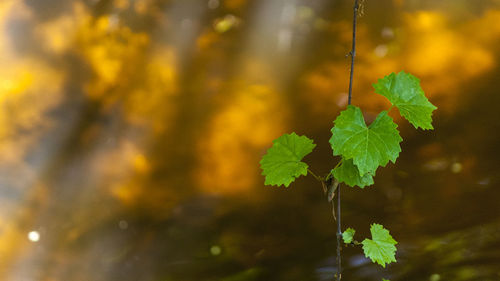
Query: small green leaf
(381, 248)
(282, 163)
(348, 235)
(348, 173)
(368, 147)
(383, 279)
(403, 90)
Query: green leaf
(348, 235)
(383, 279)
(368, 147)
(348, 173)
(403, 90)
(381, 248)
(282, 163)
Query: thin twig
(351, 76)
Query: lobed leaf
(403, 90)
(348, 235)
(348, 173)
(381, 248)
(368, 147)
(282, 163)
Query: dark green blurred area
(131, 131)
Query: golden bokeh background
(131, 131)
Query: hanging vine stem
(352, 54)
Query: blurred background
(131, 131)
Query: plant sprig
(363, 149)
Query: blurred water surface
(131, 130)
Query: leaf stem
(338, 164)
(355, 243)
(314, 175)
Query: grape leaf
(348, 173)
(368, 147)
(282, 163)
(348, 235)
(381, 248)
(403, 90)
